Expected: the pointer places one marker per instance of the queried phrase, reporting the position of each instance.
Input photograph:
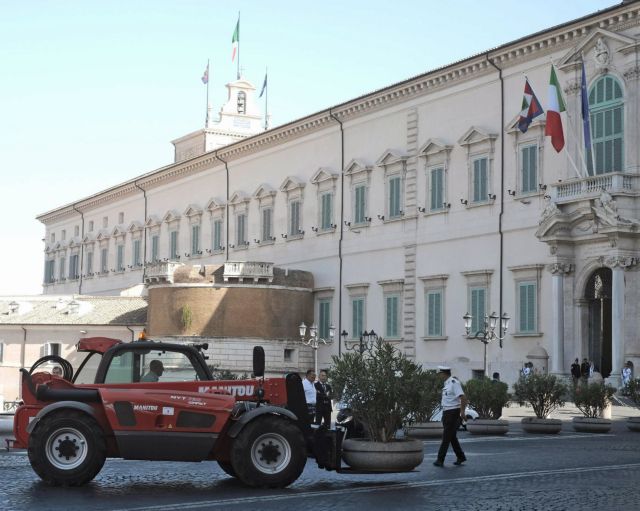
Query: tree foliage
(487, 397)
(632, 390)
(543, 392)
(384, 389)
(592, 398)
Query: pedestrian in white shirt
(453, 405)
(310, 393)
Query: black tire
(269, 452)
(67, 448)
(226, 466)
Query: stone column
(558, 271)
(617, 265)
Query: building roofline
(321, 118)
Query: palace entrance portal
(598, 294)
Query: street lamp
(367, 341)
(488, 333)
(314, 341)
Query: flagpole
(238, 45)
(266, 101)
(206, 119)
(583, 86)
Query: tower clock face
(242, 102)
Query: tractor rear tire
(67, 448)
(269, 452)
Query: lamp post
(314, 341)
(488, 333)
(367, 341)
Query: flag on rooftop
(555, 106)
(531, 108)
(586, 119)
(235, 40)
(205, 76)
(264, 86)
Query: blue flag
(586, 119)
(264, 86)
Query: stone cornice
(564, 36)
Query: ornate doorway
(598, 293)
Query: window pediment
(537, 124)
(171, 216)
(103, 234)
(238, 197)
(152, 221)
(434, 147)
(135, 226)
(193, 210)
(290, 184)
(214, 204)
(391, 157)
(119, 230)
(323, 174)
(476, 135)
(74, 242)
(263, 191)
(592, 49)
(357, 166)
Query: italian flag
(555, 106)
(235, 40)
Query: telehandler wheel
(67, 448)
(226, 466)
(269, 453)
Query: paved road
(570, 470)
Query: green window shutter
(155, 243)
(104, 260)
(437, 189)
(326, 211)
(529, 169)
(394, 197)
(89, 263)
(359, 204)
(434, 313)
(266, 224)
(294, 226)
(240, 229)
(195, 239)
(324, 321)
(478, 310)
(120, 258)
(357, 314)
(391, 326)
(217, 235)
(527, 310)
(478, 196)
(173, 245)
(607, 126)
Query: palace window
(436, 189)
(607, 127)
(529, 168)
(155, 248)
(480, 184)
(173, 245)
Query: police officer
(453, 405)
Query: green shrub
(543, 392)
(487, 397)
(592, 398)
(384, 389)
(632, 390)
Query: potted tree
(421, 424)
(488, 398)
(382, 387)
(545, 394)
(591, 399)
(632, 391)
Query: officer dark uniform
(323, 401)
(453, 405)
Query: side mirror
(258, 361)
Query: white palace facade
(411, 206)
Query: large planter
(425, 430)
(396, 456)
(633, 423)
(545, 426)
(488, 427)
(591, 425)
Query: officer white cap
(444, 369)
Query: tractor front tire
(269, 452)
(67, 448)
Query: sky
(93, 91)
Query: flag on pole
(586, 119)
(235, 40)
(205, 76)
(264, 86)
(531, 108)
(555, 106)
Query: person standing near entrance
(310, 393)
(585, 369)
(627, 373)
(575, 372)
(453, 405)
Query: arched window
(607, 128)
